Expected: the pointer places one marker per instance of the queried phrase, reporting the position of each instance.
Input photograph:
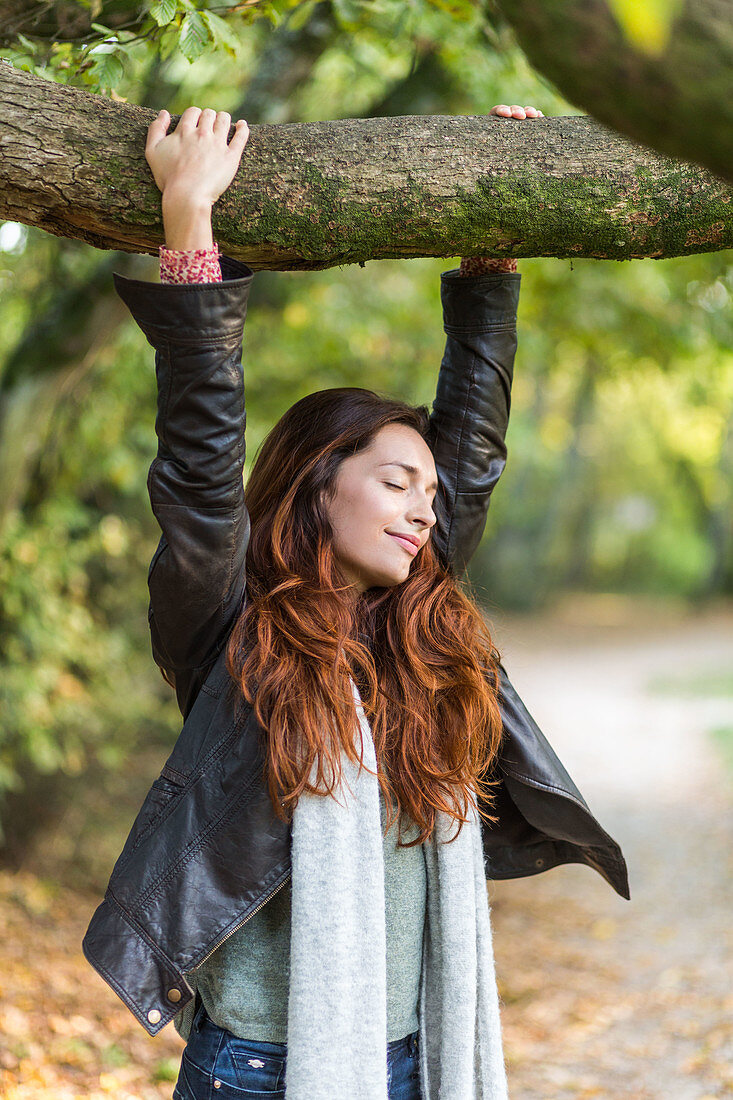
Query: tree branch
(312, 196)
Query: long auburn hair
(419, 651)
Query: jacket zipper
(241, 923)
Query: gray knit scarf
(337, 1006)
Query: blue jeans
(216, 1065)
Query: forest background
(619, 478)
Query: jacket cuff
(113, 947)
(477, 303)
(189, 312)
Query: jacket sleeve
(471, 407)
(197, 574)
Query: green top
(244, 984)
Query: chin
(391, 580)
(387, 578)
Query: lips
(411, 543)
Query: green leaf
(108, 69)
(168, 41)
(221, 33)
(163, 11)
(195, 36)
(270, 12)
(347, 13)
(301, 15)
(26, 43)
(122, 49)
(23, 62)
(463, 10)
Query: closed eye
(392, 485)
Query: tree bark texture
(317, 195)
(678, 102)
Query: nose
(423, 514)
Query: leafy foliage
(194, 29)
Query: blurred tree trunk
(711, 508)
(716, 519)
(720, 580)
(316, 195)
(425, 90)
(668, 86)
(561, 541)
(575, 513)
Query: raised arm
(473, 399)
(196, 577)
(471, 407)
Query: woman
(311, 862)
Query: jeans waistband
(407, 1042)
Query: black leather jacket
(206, 850)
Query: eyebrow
(410, 469)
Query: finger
(501, 109)
(517, 111)
(206, 120)
(222, 123)
(189, 119)
(531, 112)
(157, 129)
(240, 137)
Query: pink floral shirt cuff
(199, 265)
(485, 265)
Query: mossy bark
(316, 195)
(674, 95)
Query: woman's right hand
(192, 167)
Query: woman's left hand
(514, 111)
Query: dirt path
(604, 997)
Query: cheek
(359, 516)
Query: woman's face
(378, 499)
